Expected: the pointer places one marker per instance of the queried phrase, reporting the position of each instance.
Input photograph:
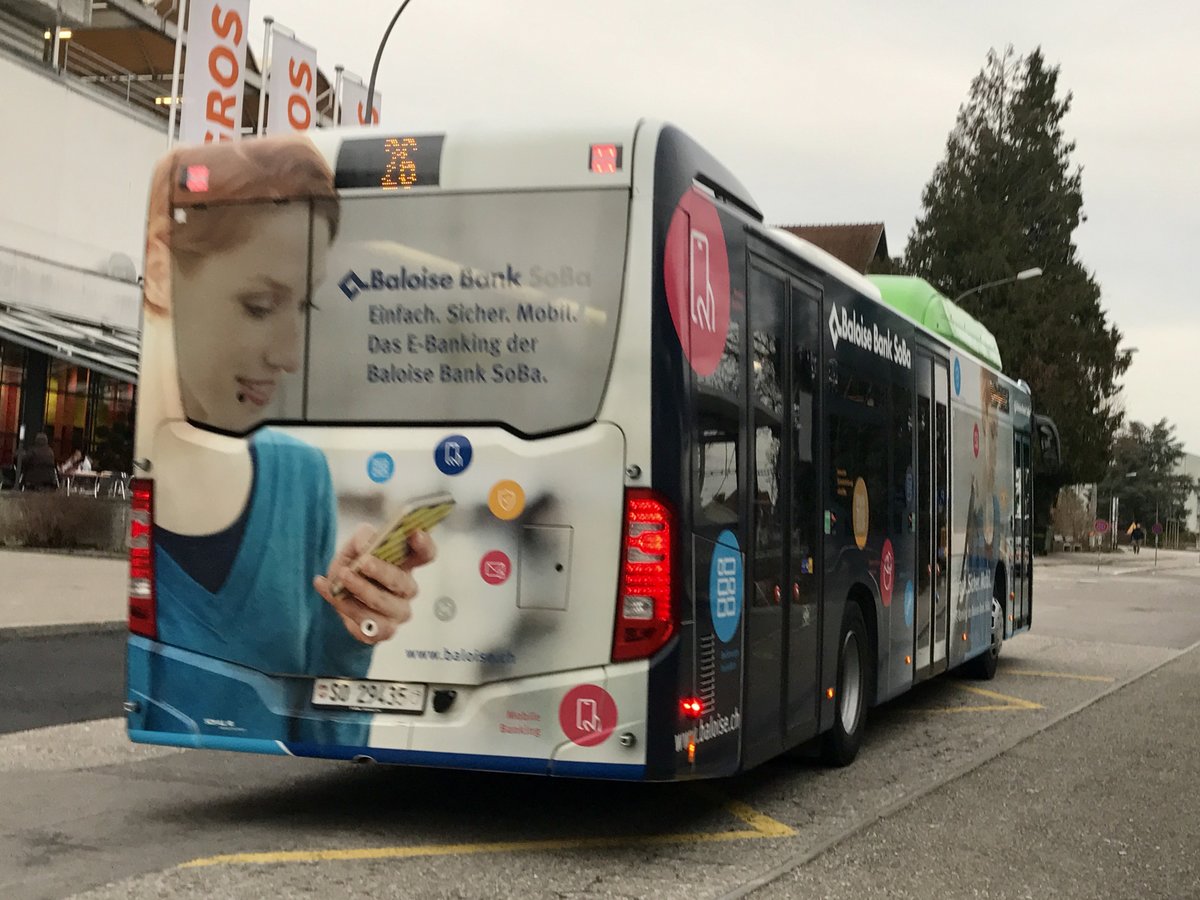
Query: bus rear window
(468, 308)
(489, 308)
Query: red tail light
(142, 613)
(645, 611)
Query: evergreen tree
(1145, 474)
(1006, 198)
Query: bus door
(932, 623)
(803, 604)
(1022, 520)
(782, 625)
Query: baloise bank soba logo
(353, 284)
(847, 325)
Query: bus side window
(717, 469)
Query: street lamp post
(379, 56)
(1023, 275)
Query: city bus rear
(454, 330)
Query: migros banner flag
(292, 97)
(215, 71)
(354, 104)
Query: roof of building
(855, 245)
(125, 49)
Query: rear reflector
(645, 607)
(142, 613)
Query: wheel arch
(1000, 591)
(863, 597)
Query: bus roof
(922, 302)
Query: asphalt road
(1072, 774)
(52, 680)
(1105, 804)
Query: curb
(22, 632)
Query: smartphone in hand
(391, 544)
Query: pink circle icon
(495, 567)
(696, 278)
(587, 714)
(887, 573)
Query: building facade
(87, 89)
(77, 166)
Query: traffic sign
(1101, 526)
(1157, 528)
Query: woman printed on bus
(245, 525)
(985, 531)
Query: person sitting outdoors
(78, 462)
(38, 469)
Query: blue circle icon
(380, 467)
(725, 586)
(909, 604)
(957, 377)
(452, 455)
(908, 487)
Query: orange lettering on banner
(232, 22)
(218, 103)
(362, 119)
(300, 77)
(229, 27)
(299, 115)
(231, 64)
(298, 111)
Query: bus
(541, 452)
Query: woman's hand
(377, 599)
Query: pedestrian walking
(1136, 537)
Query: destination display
(392, 163)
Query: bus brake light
(645, 608)
(605, 159)
(143, 618)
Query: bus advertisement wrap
(306, 597)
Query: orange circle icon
(506, 500)
(860, 511)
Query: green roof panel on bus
(921, 301)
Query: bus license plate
(379, 696)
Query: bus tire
(984, 666)
(855, 684)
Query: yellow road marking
(1031, 674)
(1010, 703)
(761, 826)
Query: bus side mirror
(1046, 433)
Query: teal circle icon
(725, 586)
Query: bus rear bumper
(183, 699)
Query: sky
(836, 113)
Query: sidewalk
(55, 593)
(1123, 561)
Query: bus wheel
(840, 744)
(984, 666)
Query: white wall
(74, 172)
